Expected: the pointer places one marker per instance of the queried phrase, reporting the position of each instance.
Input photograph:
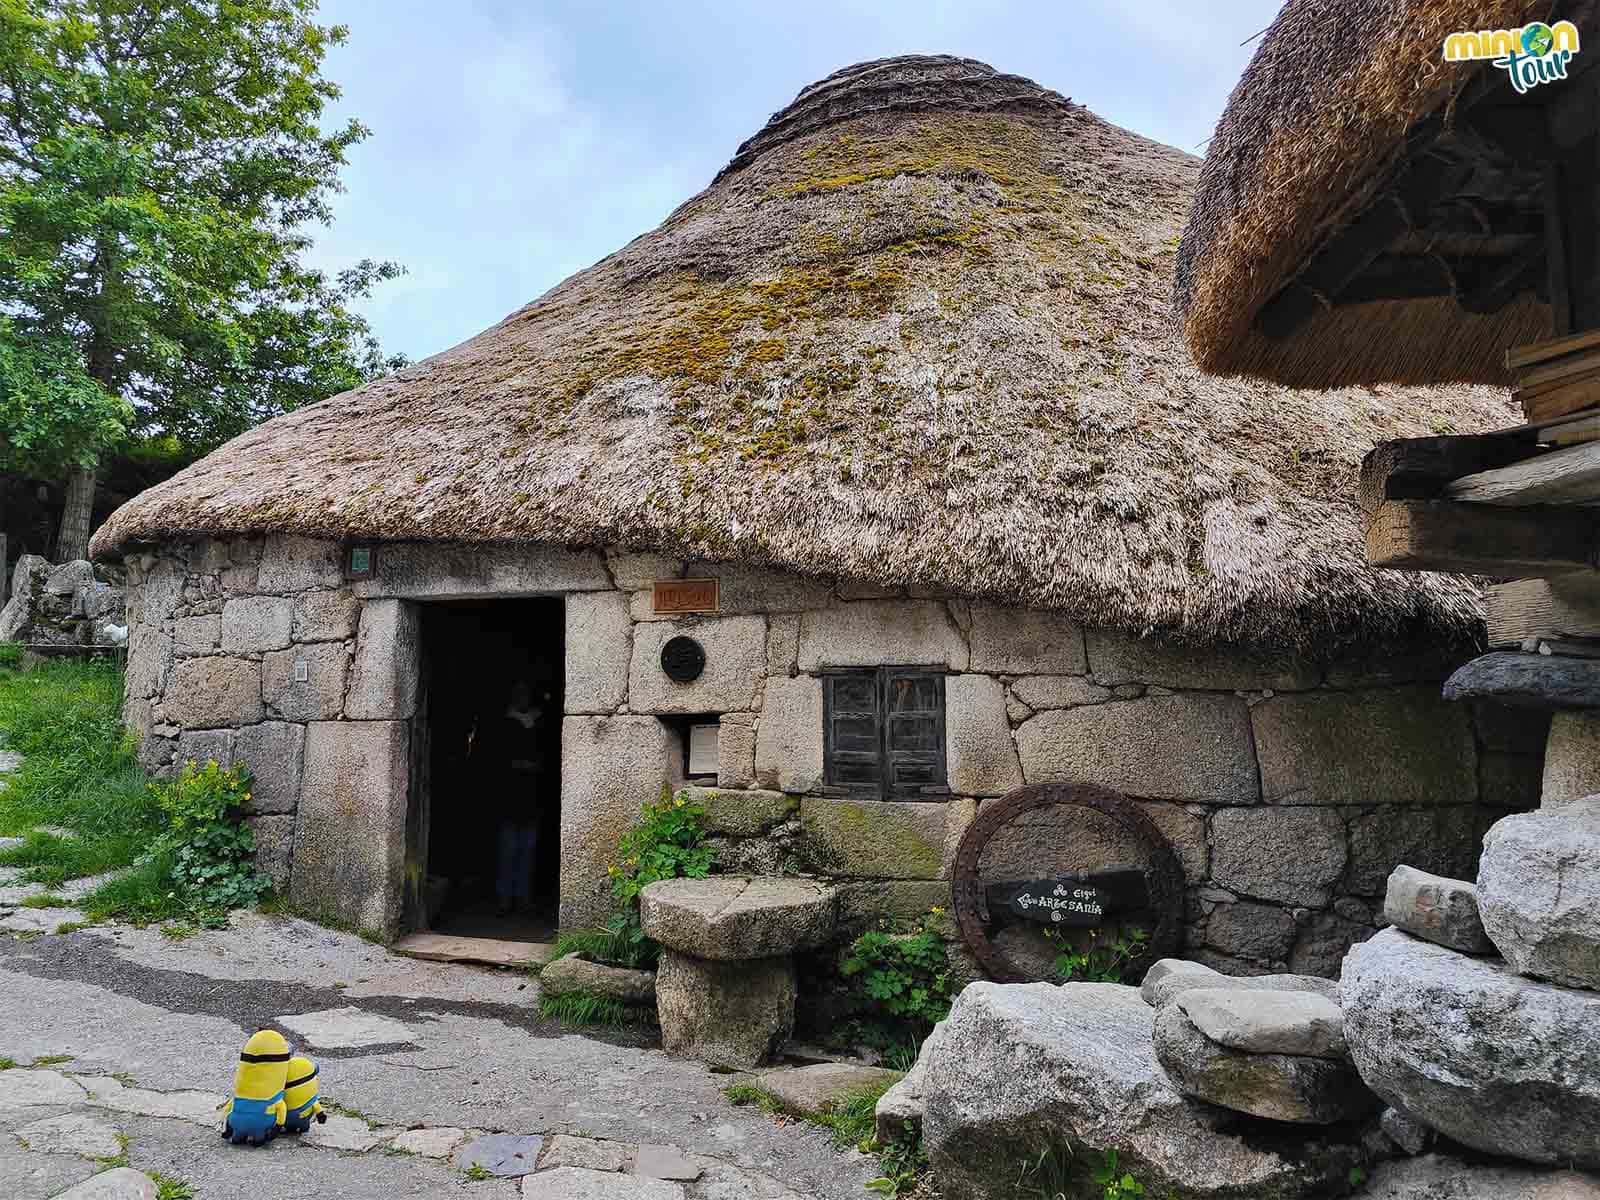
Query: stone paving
(437, 1076)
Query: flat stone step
(816, 1089)
(493, 952)
(1528, 680)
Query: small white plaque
(302, 673)
(703, 749)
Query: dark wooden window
(883, 731)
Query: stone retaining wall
(1290, 788)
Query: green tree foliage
(53, 417)
(160, 162)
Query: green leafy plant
(1118, 1185)
(898, 985)
(588, 1008)
(666, 842)
(10, 656)
(213, 850)
(1098, 962)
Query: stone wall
(69, 606)
(1290, 788)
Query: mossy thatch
(917, 334)
(1315, 127)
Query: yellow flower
(247, 797)
(936, 911)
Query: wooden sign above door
(673, 596)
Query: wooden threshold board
(494, 952)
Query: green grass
(477, 1172)
(7, 1063)
(170, 1187)
(46, 900)
(851, 1119)
(588, 1008)
(52, 1060)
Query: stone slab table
(725, 987)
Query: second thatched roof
(916, 333)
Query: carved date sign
(1027, 860)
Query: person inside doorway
(517, 761)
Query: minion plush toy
(302, 1097)
(257, 1110)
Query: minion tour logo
(1537, 53)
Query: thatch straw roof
(918, 333)
(1318, 124)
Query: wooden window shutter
(883, 731)
(853, 730)
(913, 703)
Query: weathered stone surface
(1398, 746)
(1280, 1087)
(346, 1028)
(665, 1162)
(725, 1014)
(207, 693)
(1116, 657)
(609, 767)
(1172, 977)
(1245, 929)
(783, 643)
(198, 1108)
(1186, 830)
(388, 662)
(294, 564)
(202, 746)
(736, 750)
(1260, 1021)
(571, 973)
(40, 1176)
(980, 757)
(1539, 892)
(119, 1183)
(1292, 855)
(197, 635)
(736, 661)
(873, 632)
(1040, 692)
(789, 735)
(150, 662)
(320, 697)
(1438, 1177)
(1078, 1061)
(599, 641)
(325, 616)
(275, 753)
(1182, 747)
(1571, 758)
(345, 1133)
(632, 571)
(865, 902)
(589, 1153)
(1543, 681)
(1444, 911)
(814, 1090)
(504, 1154)
(1442, 840)
(727, 917)
(274, 849)
(579, 1183)
(67, 578)
(1013, 640)
(1495, 1061)
(438, 1142)
(1405, 1131)
(446, 571)
(350, 831)
(72, 1133)
(898, 1114)
(746, 589)
(1324, 941)
(743, 813)
(873, 838)
(256, 624)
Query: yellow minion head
(301, 1087)
(263, 1066)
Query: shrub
(212, 850)
(1098, 962)
(667, 842)
(898, 984)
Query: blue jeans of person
(513, 884)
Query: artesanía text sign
(1085, 899)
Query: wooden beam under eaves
(1421, 468)
(1570, 476)
(1481, 539)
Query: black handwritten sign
(1080, 898)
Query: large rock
(980, 757)
(733, 1015)
(256, 624)
(1182, 747)
(383, 678)
(318, 696)
(1571, 758)
(735, 662)
(275, 753)
(1116, 657)
(468, 571)
(1300, 1089)
(119, 1183)
(873, 839)
(1008, 641)
(1267, 1022)
(1024, 1068)
(572, 973)
(898, 1115)
(599, 640)
(1539, 892)
(209, 693)
(789, 735)
(1488, 1058)
(1444, 911)
(731, 917)
(1291, 855)
(1170, 978)
(814, 1090)
(873, 632)
(1440, 1177)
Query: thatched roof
(919, 333)
(1342, 98)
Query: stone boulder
(1492, 1060)
(814, 1090)
(732, 917)
(1444, 911)
(1440, 1177)
(1301, 1089)
(1539, 892)
(1024, 1069)
(62, 605)
(899, 1111)
(1266, 1022)
(732, 1015)
(1169, 978)
(574, 973)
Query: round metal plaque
(683, 658)
(1060, 856)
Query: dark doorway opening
(490, 767)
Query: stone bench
(725, 987)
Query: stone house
(902, 383)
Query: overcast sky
(514, 143)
